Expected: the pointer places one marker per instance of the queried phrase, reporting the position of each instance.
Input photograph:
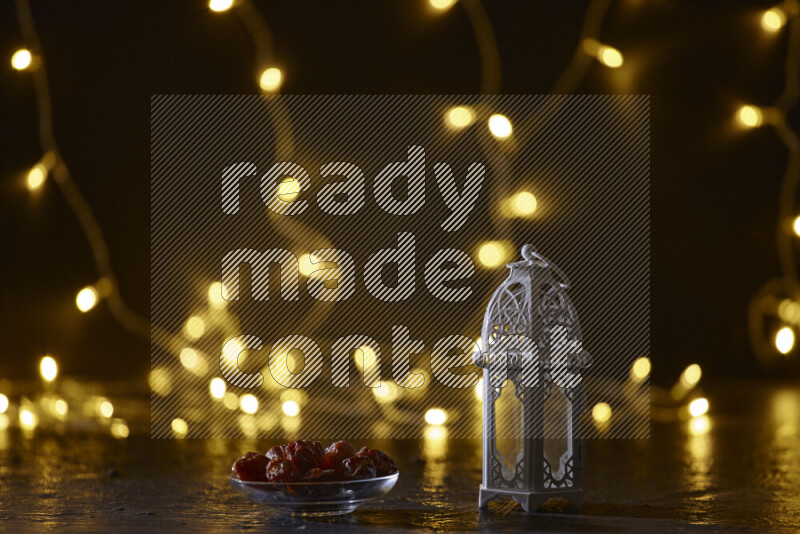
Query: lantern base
(530, 500)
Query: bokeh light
(36, 177)
(21, 59)
(48, 368)
(28, 419)
(601, 412)
(365, 357)
(220, 5)
(386, 392)
(248, 403)
(290, 408)
(492, 253)
(699, 425)
(691, 375)
(500, 126)
(119, 429)
(86, 299)
(195, 327)
(3, 403)
(442, 5)
(459, 117)
(160, 381)
(271, 79)
(190, 359)
(215, 299)
(773, 19)
(217, 388)
(750, 116)
(435, 416)
(698, 407)
(288, 189)
(179, 426)
(610, 56)
(61, 407)
(640, 369)
(784, 340)
(523, 204)
(106, 409)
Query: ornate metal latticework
(532, 343)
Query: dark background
(714, 187)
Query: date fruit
(251, 467)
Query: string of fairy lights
(681, 401)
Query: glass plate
(315, 498)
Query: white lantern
(532, 391)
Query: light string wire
(764, 301)
(490, 83)
(72, 194)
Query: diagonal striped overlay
(329, 342)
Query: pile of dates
(307, 461)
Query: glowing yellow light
(36, 177)
(189, 358)
(773, 19)
(640, 369)
(698, 407)
(369, 359)
(601, 412)
(248, 403)
(160, 382)
(479, 390)
(220, 5)
(28, 419)
(215, 295)
(750, 116)
(435, 416)
(86, 299)
(699, 425)
(230, 400)
(691, 375)
(492, 253)
(796, 225)
(119, 429)
(442, 4)
(784, 340)
(288, 189)
(271, 79)
(179, 426)
(500, 126)
(523, 203)
(21, 59)
(195, 327)
(4, 421)
(459, 117)
(217, 388)
(290, 408)
(789, 311)
(61, 407)
(386, 392)
(305, 265)
(609, 56)
(106, 409)
(48, 368)
(3, 403)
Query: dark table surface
(742, 474)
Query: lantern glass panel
(557, 442)
(508, 431)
